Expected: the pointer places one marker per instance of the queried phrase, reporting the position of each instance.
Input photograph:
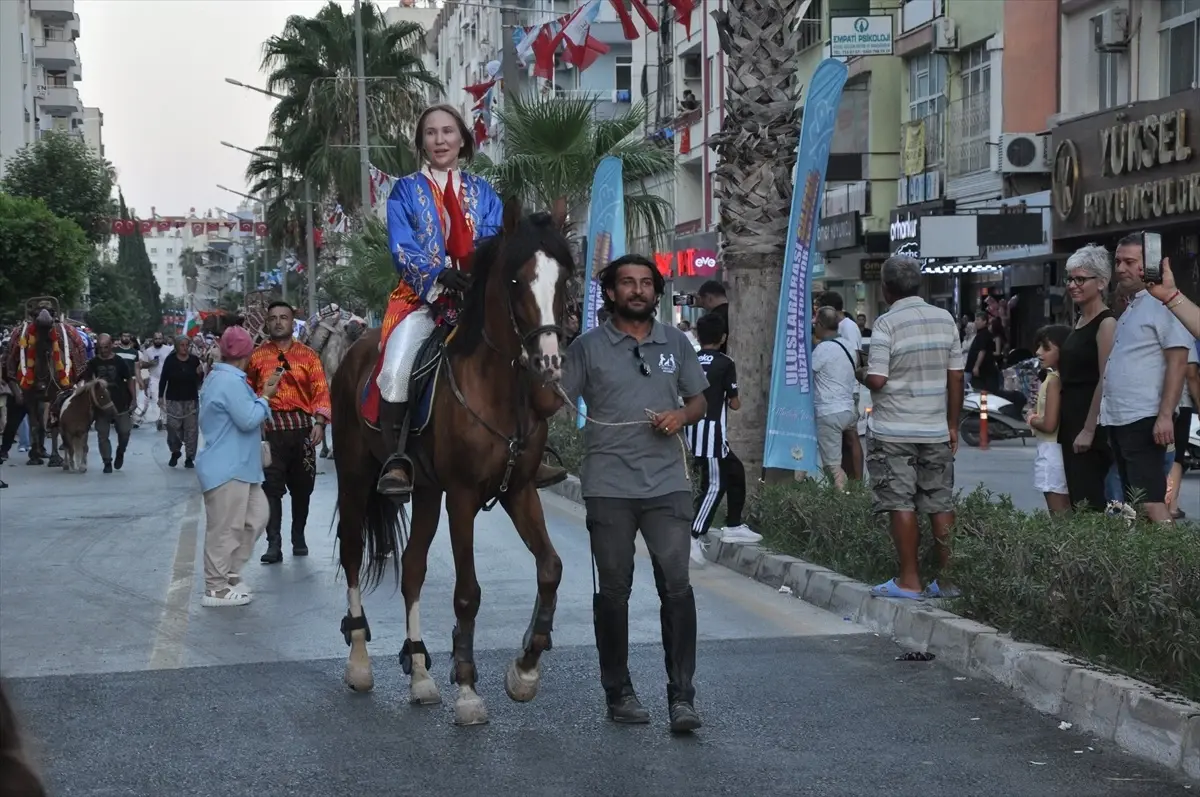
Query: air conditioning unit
(945, 35)
(1024, 153)
(1112, 31)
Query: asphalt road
(127, 686)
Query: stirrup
(405, 465)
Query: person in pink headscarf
(230, 469)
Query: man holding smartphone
(1143, 379)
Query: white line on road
(167, 652)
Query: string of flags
(166, 223)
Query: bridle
(106, 406)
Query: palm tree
(315, 127)
(369, 275)
(557, 144)
(757, 149)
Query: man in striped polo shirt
(915, 375)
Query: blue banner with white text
(791, 442)
(606, 239)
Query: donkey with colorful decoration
(47, 356)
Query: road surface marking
(167, 653)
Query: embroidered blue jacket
(415, 233)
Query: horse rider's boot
(678, 616)
(394, 479)
(274, 553)
(549, 475)
(611, 620)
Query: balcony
(59, 100)
(57, 54)
(969, 126)
(52, 10)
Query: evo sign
(850, 37)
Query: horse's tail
(384, 535)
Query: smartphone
(1151, 258)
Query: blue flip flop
(935, 591)
(890, 589)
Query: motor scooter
(1191, 454)
(1006, 418)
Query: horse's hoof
(423, 692)
(469, 710)
(359, 678)
(521, 686)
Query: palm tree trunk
(757, 149)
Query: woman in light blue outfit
(230, 469)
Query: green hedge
(1127, 599)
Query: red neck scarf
(459, 240)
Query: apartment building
(223, 246)
(39, 72)
(1126, 146)
(93, 130)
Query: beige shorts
(829, 435)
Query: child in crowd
(1048, 474)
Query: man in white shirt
(155, 354)
(848, 331)
(834, 391)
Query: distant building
(39, 72)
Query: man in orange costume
(299, 414)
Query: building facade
(40, 70)
(1126, 149)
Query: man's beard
(629, 313)
(287, 334)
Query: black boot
(274, 552)
(612, 642)
(678, 615)
(395, 479)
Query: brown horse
(482, 443)
(89, 400)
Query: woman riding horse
(435, 218)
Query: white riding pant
(400, 353)
(148, 405)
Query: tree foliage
(133, 264)
(368, 277)
(41, 254)
(74, 183)
(557, 143)
(115, 306)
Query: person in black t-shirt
(713, 299)
(721, 472)
(981, 357)
(117, 373)
(179, 400)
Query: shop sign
(904, 229)
(850, 37)
(843, 231)
(1028, 203)
(1129, 168)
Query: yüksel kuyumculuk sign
(855, 36)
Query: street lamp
(266, 239)
(310, 243)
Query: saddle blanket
(423, 381)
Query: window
(710, 80)
(623, 74)
(57, 79)
(170, 250)
(810, 27)
(915, 13)
(54, 34)
(971, 118)
(1108, 72)
(927, 100)
(153, 251)
(1180, 45)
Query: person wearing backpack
(834, 387)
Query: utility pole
(312, 250)
(364, 144)
(510, 71)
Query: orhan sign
(1136, 167)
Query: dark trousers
(720, 477)
(103, 424)
(16, 414)
(665, 523)
(293, 470)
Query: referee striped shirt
(707, 438)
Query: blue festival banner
(606, 239)
(791, 442)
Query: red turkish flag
(246, 226)
(479, 89)
(147, 227)
(260, 228)
(683, 13)
(685, 141)
(585, 56)
(163, 225)
(663, 261)
(480, 132)
(544, 46)
(197, 228)
(117, 227)
(212, 226)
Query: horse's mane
(536, 232)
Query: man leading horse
(435, 218)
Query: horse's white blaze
(543, 285)
(414, 622)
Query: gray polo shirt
(1136, 369)
(605, 366)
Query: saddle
(56, 405)
(421, 386)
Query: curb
(1151, 724)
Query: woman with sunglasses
(435, 218)
(1082, 357)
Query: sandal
(890, 589)
(934, 590)
(231, 596)
(235, 580)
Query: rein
(92, 392)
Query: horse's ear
(512, 215)
(558, 212)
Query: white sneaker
(697, 554)
(226, 597)
(740, 533)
